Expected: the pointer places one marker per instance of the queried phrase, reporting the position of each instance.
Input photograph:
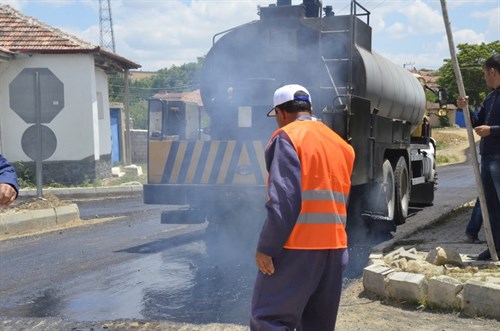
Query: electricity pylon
(106, 26)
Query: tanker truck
(211, 160)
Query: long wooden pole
(470, 134)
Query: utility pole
(472, 143)
(106, 26)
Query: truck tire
(402, 191)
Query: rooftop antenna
(107, 39)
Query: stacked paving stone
(441, 278)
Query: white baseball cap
(287, 93)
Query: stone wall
(66, 172)
(139, 146)
(85, 170)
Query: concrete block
(57, 191)
(374, 278)
(399, 264)
(442, 291)
(405, 286)
(409, 256)
(442, 256)
(109, 190)
(394, 254)
(28, 220)
(412, 250)
(481, 299)
(133, 170)
(493, 279)
(67, 213)
(375, 258)
(116, 172)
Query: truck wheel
(402, 191)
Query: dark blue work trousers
(490, 176)
(303, 293)
(476, 220)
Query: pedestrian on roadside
(9, 188)
(486, 124)
(302, 248)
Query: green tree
(184, 78)
(139, 114)
(470, 59)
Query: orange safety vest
(326, 167)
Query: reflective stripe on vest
(326, 166)
(313, 202)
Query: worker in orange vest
(302, 247)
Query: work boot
(485, 256)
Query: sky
(160, 33)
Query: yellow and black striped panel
(207, 162)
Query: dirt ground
(452, 144)
(47, 201)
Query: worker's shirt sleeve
(8, 174)
(491, 105)
(285, 195)
(495, 130)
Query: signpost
(37, 96)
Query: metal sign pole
(38, 125)
(470, 134)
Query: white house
(54, 99)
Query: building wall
(3, 66)
(139, 146)
(82, 126)
(104, 123)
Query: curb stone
(40, 219)
(76, 192)
(43, 219)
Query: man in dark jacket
(9, 188)
(487, 125)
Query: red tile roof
(25, 34)
(193, 97)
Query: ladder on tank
(329, 81)
(340, 64)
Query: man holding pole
(486, 124)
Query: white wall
(3, 66)
(79, 131)
(102, 95)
